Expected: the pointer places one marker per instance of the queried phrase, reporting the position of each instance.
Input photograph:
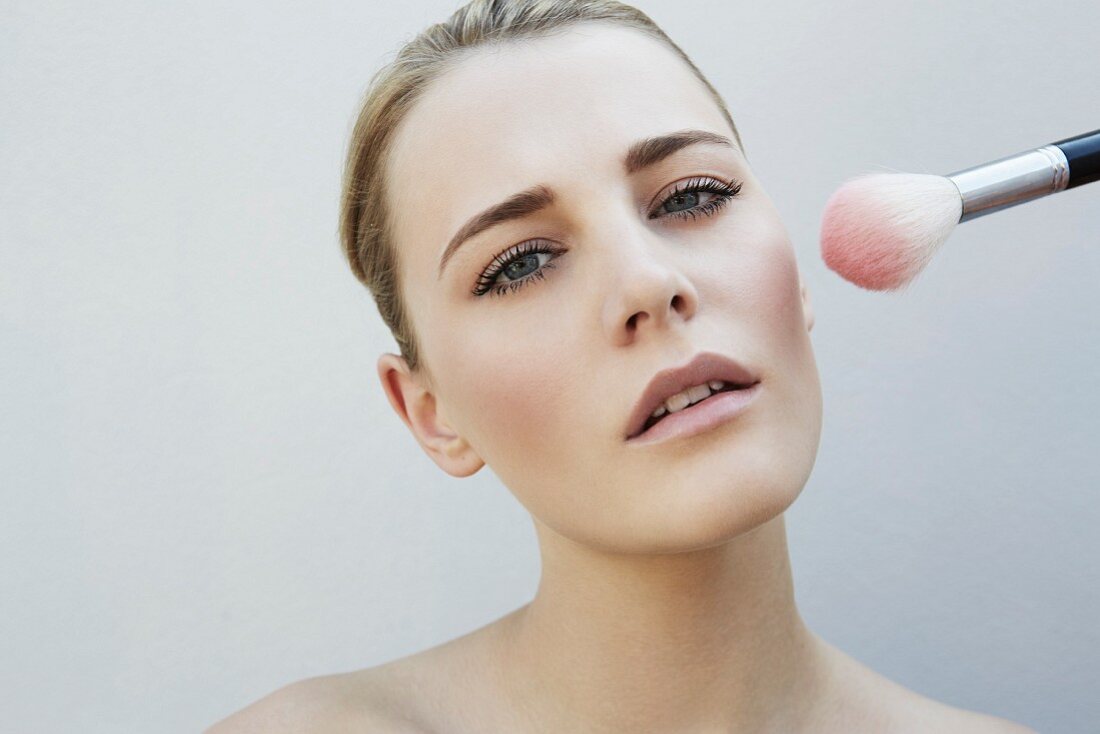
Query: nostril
(632, 322)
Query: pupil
(514, 273)
(689, 199)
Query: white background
(206, 495)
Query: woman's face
(537, 366)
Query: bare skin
(451, 689)
(665, 603)
(461, 687)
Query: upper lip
(704, 367)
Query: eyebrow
(641, 154)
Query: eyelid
(535, 245)
(725, 188)
(687, 182)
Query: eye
(684, 201)
(519, 264)
(524, 263)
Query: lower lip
(702, 416)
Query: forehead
(520, 113)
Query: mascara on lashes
(701, 184)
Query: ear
(807, 307)
(417, 407)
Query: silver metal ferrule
(1010, 181)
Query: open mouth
(651, 421)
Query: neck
(702, 640)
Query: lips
(704, 367)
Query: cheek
(763, 305)
(513, 398)
(769, 281)
(780, 298)
(752, 277)
(505, 394)
(790, 358)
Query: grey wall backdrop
(206, 495)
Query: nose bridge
(645, 286)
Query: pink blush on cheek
(513, 407)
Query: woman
(554, 212)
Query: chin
(719, 488)
(705, 511)
(735, 490)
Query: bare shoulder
(974, 722)
(330, 704)
(866, 699)
(995, 725)
(438, 689)
(932, 715)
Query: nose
(649, 292)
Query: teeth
(692, 395)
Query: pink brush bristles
(880, 230)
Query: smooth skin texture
(665, 602)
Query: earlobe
(418, 409)
(807, 307)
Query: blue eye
(684, 202)
(521, 264)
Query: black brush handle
(1083, 154)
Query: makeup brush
(879, 230)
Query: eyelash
(724, 192)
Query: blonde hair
(394, 89)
